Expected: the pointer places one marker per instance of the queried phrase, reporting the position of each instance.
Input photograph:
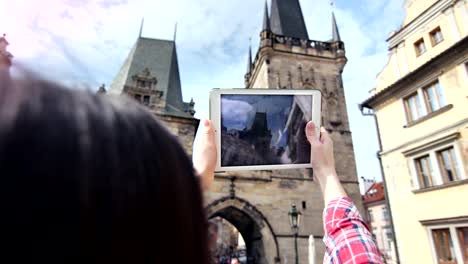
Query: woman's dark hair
(86, 178)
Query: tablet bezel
(215, 116)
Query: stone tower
(257, 203)
(150, 75)
(5, 57)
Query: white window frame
(453, 235)
(438, 179)
(422, 100)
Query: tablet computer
(263, 129)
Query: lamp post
(295, 221)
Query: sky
(83, 43)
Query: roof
(287, 19)
(374, 194)
(160, 58)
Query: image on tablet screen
(264, 129)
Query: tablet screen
(264, 129)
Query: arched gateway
(259, 237)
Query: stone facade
(183, 128)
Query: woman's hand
(321, 154)
(205, 153)
(323, 163)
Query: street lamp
(295, 221)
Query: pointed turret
(151, 74)
(287, 19)
(336, 32)
(249, 60)
(266, 19)
(141, 27)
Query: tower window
(304, 205)
(420, 47)
(436, 36)
(146, 100)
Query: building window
(439, 166)
(424, 171)
(138, 97)
(388, 237)
(462, 233)
(436, 36)
(146, 100)
(420, 47)
(385, 214)
(371, 217)
(413, 107)
(443, 246)
(448, 165)
(433, 97)
(424, 101)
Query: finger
(324, 136)
(208, 126)
(310, 132)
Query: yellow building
(421, 110)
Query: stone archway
(260, 240)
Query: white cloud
(236, 114)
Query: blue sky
(82, 43)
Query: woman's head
(86, 178)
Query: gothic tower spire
(287, 19)
(249, 60)
(336, 32)
(266, 19)
(141, 27)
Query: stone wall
(184, 128)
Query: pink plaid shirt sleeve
(347, 236)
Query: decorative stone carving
(312, 76)
(145, 80)
(278, 80)
(301, 78)
(290, 85)
(331, 99)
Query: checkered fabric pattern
(347, 236)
